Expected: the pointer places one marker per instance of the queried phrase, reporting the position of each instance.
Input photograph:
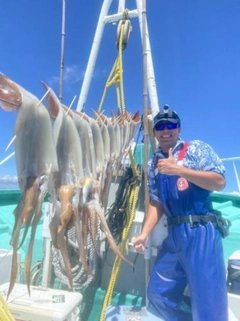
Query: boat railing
(233, 160)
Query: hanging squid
(87, 133)
(64, 185)
(35, 160)
(73, 157)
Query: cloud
(8, 178)
(71, 75)
(8, 181)
(235, 193)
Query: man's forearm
(211, 181)
(153, 215)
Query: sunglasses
(162, 126)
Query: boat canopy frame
(104, 18)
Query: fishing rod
(145, 126)
(62, 50)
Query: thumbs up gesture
(168, 165)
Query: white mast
(150, 70)
(103, 19)
(140, 12)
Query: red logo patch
(182, 184)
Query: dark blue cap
(166, 114)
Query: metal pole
(121, 5)
(118, 16)
(233, 159)
(93, 55)
(145, 125)
(153, 96)
(62, 51)
(237, 177)
(230, 159)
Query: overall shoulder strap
(182, 151)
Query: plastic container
(233, 307)
(43, 304)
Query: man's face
(167, 134)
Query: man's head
(166, 115)
(166, 126)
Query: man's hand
(208, 180)
(139, 243)
(168, 166)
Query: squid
(82, 124)
(92, 208)
(86, 203)
(65, 184)
(98, 147)
(73, 157)
(35, 160)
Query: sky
(196, 56)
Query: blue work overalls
(189, 255)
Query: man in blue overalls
(181, 177)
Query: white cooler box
(6, 266)
(43, 304)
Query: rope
(116, 214)
(80, 279)
(116, 79)
(5, 314)
(108, 84)
(131, 214)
